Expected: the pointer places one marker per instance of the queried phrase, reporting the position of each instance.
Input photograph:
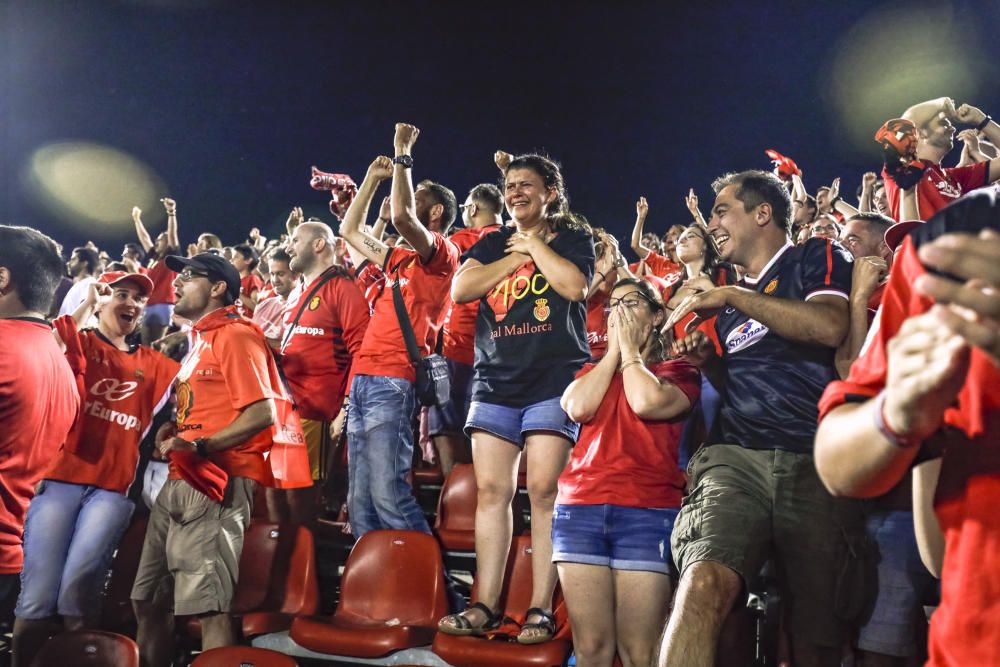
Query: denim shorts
(903, 585)
(449, 419)
(158, 314)
(622, 538)
(70, 534)
(513, 424)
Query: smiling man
(754, 491)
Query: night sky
(230, 103)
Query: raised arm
(866, 201)
(404, 207)
(140, 230)
(909, 205)
(692, 205)
(173, 240)
(351, 228)
(384, 216)
(867, 272)
(641, 211)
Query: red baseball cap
(896, 233)
(114, 277)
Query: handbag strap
(328, 275)
(404, 323)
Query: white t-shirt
(76, 295)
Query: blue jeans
(70, 534)
(380, 454)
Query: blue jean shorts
(71, 532)
(622, 538)
(513, 424)
(903, 585)
(449, 419)
(158, 314)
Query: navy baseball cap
(215, 266)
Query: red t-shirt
(249, 284)
(964, 629)
(660, 266)
(163, 283)
(266, 292)
(370, 280)
(124, 391)
(621, 459)
(228, 368)
(458, 335)
(938, 187)
(597, 325)
(39, 402)
(316, 356)
(425, 289)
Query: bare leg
(706, 593)
(155, 635)
(495, 464)
(547, 456)
(451, 449)
(28, 638)
(589, 592)
(641, 602)
(217, 630)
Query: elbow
(403, 219)
(460, 292)
(576, 411)
(267, 414)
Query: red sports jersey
(621, 459)
(229, 367)
(963, 630)
(163, 283)
(939, 187)
(458, 334)
(425, 289)
(124, 391)
(316, 356)
(266, 292)
(39, 402)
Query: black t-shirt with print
(530, 341)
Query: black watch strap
(201, 448)
(986, 121)
(405, 160)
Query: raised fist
(868, 179)
(502, 160)
(170, 205)
(406, 136)
(641, 208)
(137, 214)
(969, 115)
(381, 168)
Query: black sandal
(461, 626)
(547, 623)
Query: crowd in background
(666, 408)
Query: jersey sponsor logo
(542, 309)
(771, 286)
(520, 329)
(185, 399)
(98, 410)
(310, 331)
(112, 389)
(314, 303)
(948, 190)
(745, 335)
(594, 337)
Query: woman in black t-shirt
(531, 280)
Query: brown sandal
(460, 625)
(547, 623)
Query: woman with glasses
(620, 494)
(531, 280)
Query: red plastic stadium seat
(277, 579)
(243, 656)
(392, 595)
(428, 475)
(455, 524)
(88, 648)
(515, 599)
(116, 612)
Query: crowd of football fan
(667, 408)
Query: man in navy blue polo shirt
(754, 491)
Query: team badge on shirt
(314, 303)
(771, 286)
(183, 390)
(542, 309)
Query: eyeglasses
(187, 275)
(629, 303)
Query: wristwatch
(405, 160)
(201, 447)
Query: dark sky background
(231, 102)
